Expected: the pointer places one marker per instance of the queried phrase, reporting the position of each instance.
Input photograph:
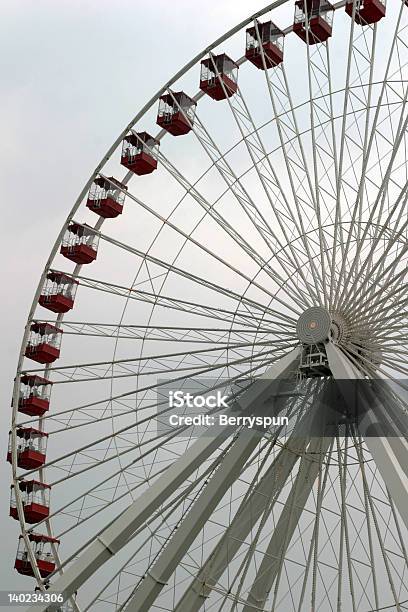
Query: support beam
(388, 411)
(159, 575)
(112, 538)
(259, 503)
(288, 521)
(389, 454)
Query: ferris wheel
(249, 224)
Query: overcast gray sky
(72, 74)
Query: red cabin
(139, 153)
(43, 343)
(43, 547)
(36, 500)
(313, 20)
(176, 113)
(34, 395)
(219, 76)
(106, 197)
(58, 293)
(80, 244)
(270, 39)
(31, 448)
(366, 11)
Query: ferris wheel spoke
(297, 166)
(266, 174)
(393, 271)
(400, 540)
(312, 553)
(388, 281)
(390, 350)
(362, 365)
(368, 557)
(334, 182)
(396, 364)
(119, 399)
(209, 209)
(379, 328)
(318, 70)
(264, 168)
(377, 299)
(383, 272)
(347, 277)
(345, 530)
(270, 566)
(394, 326)
(371, 140)
(389, 363)
(321, 485)
(96, 462)
(254, 312)
(290, 132)
(378, 325)
(161, 264)
(170, 333)
(235, 186)
(370, 58)
(376, 318)
(198, 361)
(222, 222)
(397, 237)
(347, 122)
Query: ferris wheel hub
(314, 325)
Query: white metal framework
(267, 242)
